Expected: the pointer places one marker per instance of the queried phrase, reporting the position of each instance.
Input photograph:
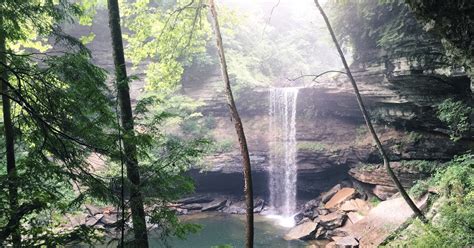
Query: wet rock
(309, 210)
(192, 206)
(384, 192)
(332, 220)
(347, 242)
(214, 205)
(181, 211)
(195, 199)
(235, 209)
(299, 218)
(341, 196)
(305, 231)
(326, 196)
(321, 233)
(323, 211)
(258, 205)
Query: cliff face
(333, 144)
(330, 132)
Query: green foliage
(456, 115)
(167, 36)
(453, 225)
(423, 166)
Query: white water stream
(283, 150)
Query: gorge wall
(332, 142)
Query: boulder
(304, 231)
(326, 196)
(321, 233)
(109, 220)
(195, 199)
(93, 210)
(92, 221)
(192, 206)
(382, 220)
(309, 208)
(235, 209)
(355, 205)
(332, 220)
(331, 244)
(354, 217)
(323, 211)
(258, 205)
(384, 192)
(214, 205)
(341, 196)
(181, 211)
(347, 242)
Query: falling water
(283, 170)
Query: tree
(55, 98)
(248, 190)
(127, 122)
(368, 122)
(9, 135)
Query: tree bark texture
(126, 117)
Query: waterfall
(282, 145)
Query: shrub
(456, 115)
(455, 225)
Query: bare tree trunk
(126, 116)
(9, 137)
(368, 122)
(239, 129)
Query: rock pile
(196, 204)
(327, 216)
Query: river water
(224, 229)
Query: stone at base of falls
(346, 242)
(356, 205)
(214, 205)
(387, 217)
(332, 220)
(354, 217)
(192, 206)
(341, 196)
(93, 220)
(384, 192)
(326, 196)
(92, 210)
(304, 231)
(195, 199)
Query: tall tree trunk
(368, 122)
(239, 129)
(126, 116)
(9, 137)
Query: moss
(312, 146)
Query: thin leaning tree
(238, 128)
(126, 116)
(368, 122)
